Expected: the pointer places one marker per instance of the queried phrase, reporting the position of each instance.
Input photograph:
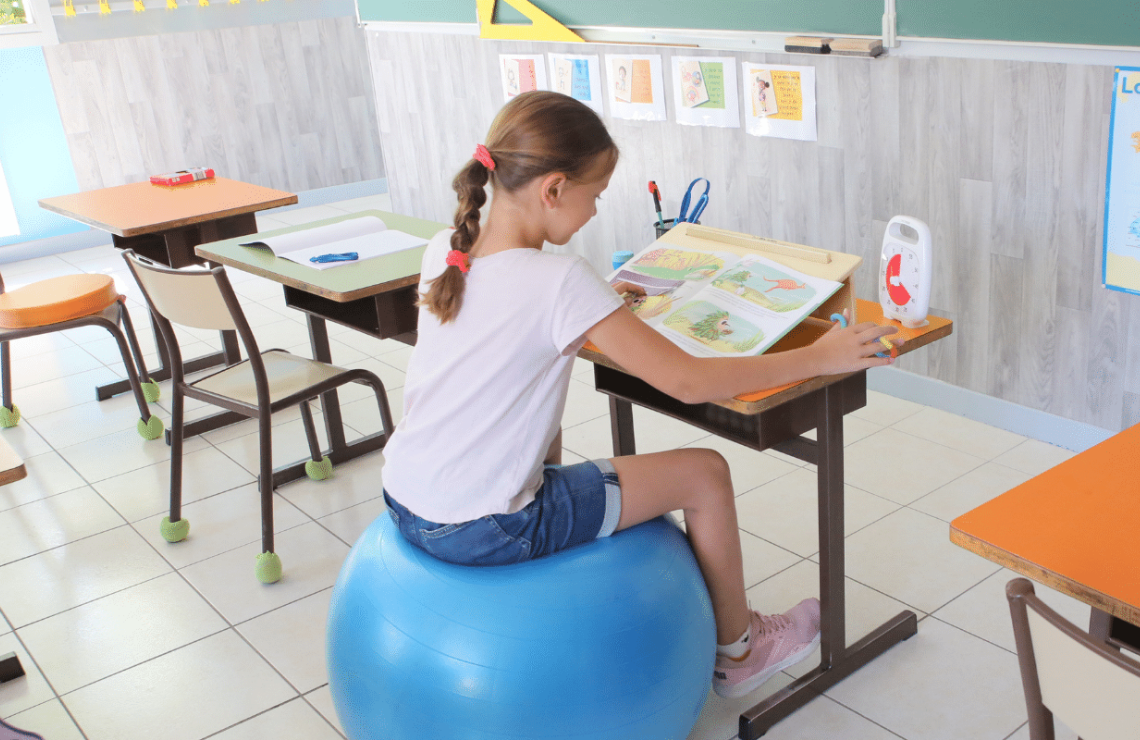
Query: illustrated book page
(720, 304)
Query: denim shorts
(575, 504)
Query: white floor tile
(970, 491)
(959, 433)
(62, 393)
(786, 511)
(76, 573)
(749, 468)
(102, 637)
(51, 522)
(1034, 457)
(288, 442)
(941, 684)
(219, 524)
(909, 555)
(720, 718)
(25, 441)
(294, 719)
(59, 364)
(584, 403)
(120, 452)
(886, 410)
(984, 611)
(353, 482)
(48, 720)
(349, 524)
(292, 639)
(902, 467)
(177, 697)
(48, 474)
(29, 690)
(310, 558)
(92, 420)
(145, 492)
(321, 700)
(825, 718)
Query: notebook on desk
(366, 236)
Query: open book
(368, 236)
(720, 304)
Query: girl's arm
(644, 352)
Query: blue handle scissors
(698, 208)
(342, 257)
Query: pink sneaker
(778, 641)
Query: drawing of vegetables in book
(678, 264)
(766, 286)
(715, 327)
(693, 90)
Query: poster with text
(579, 77)
(1122, 191)
(522, 73)
(781, 101)
(704, 91)
(635, 87)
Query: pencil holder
(669, 223)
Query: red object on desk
(183, 176)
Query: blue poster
(1122, 189)
(580, 87)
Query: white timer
(905, 272)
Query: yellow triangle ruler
(541, 28)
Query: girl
(500, 323)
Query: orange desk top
(802, 335)
(1073, 528)
(144, 208)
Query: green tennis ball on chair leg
(151, 429)
(268, 567)
(151, 392)
(319, 470)
(174, 531)
(9, 417)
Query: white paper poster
(578, 76)
(522, 73)
(705, 91)
(635, 87)
(9, 226)
(779, 101)
(1122, 190)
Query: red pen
(657, 203)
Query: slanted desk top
(342, 284)
(1072, 528)
(144, 208)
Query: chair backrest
(1091, 687)
(192, 298)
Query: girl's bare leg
(696, 481)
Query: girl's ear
(553, 187)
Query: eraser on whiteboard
(807, 44)
(857, 47)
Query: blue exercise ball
(611, 639)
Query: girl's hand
(854, 348)
(629, 291)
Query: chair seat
(56, 300)
(287, 374)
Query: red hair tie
(483, 156)
(455, 258)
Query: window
(8, 224)
(26, 23)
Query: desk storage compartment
(385, 315)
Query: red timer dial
(895, 288)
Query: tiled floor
(125, 636)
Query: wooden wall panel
(287, 106)
(1004, 160)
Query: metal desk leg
(837, 660)
(339, 450)
(621, 426)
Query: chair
(69, 302)
(266, 382)
(1090, 686)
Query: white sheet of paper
(319, 236)
(367, 246)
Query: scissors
(698, 208)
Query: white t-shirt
(485, 393)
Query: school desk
(777, 419)
(164, 224)
(1072, 528)
(375, 296)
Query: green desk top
(344, 283)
